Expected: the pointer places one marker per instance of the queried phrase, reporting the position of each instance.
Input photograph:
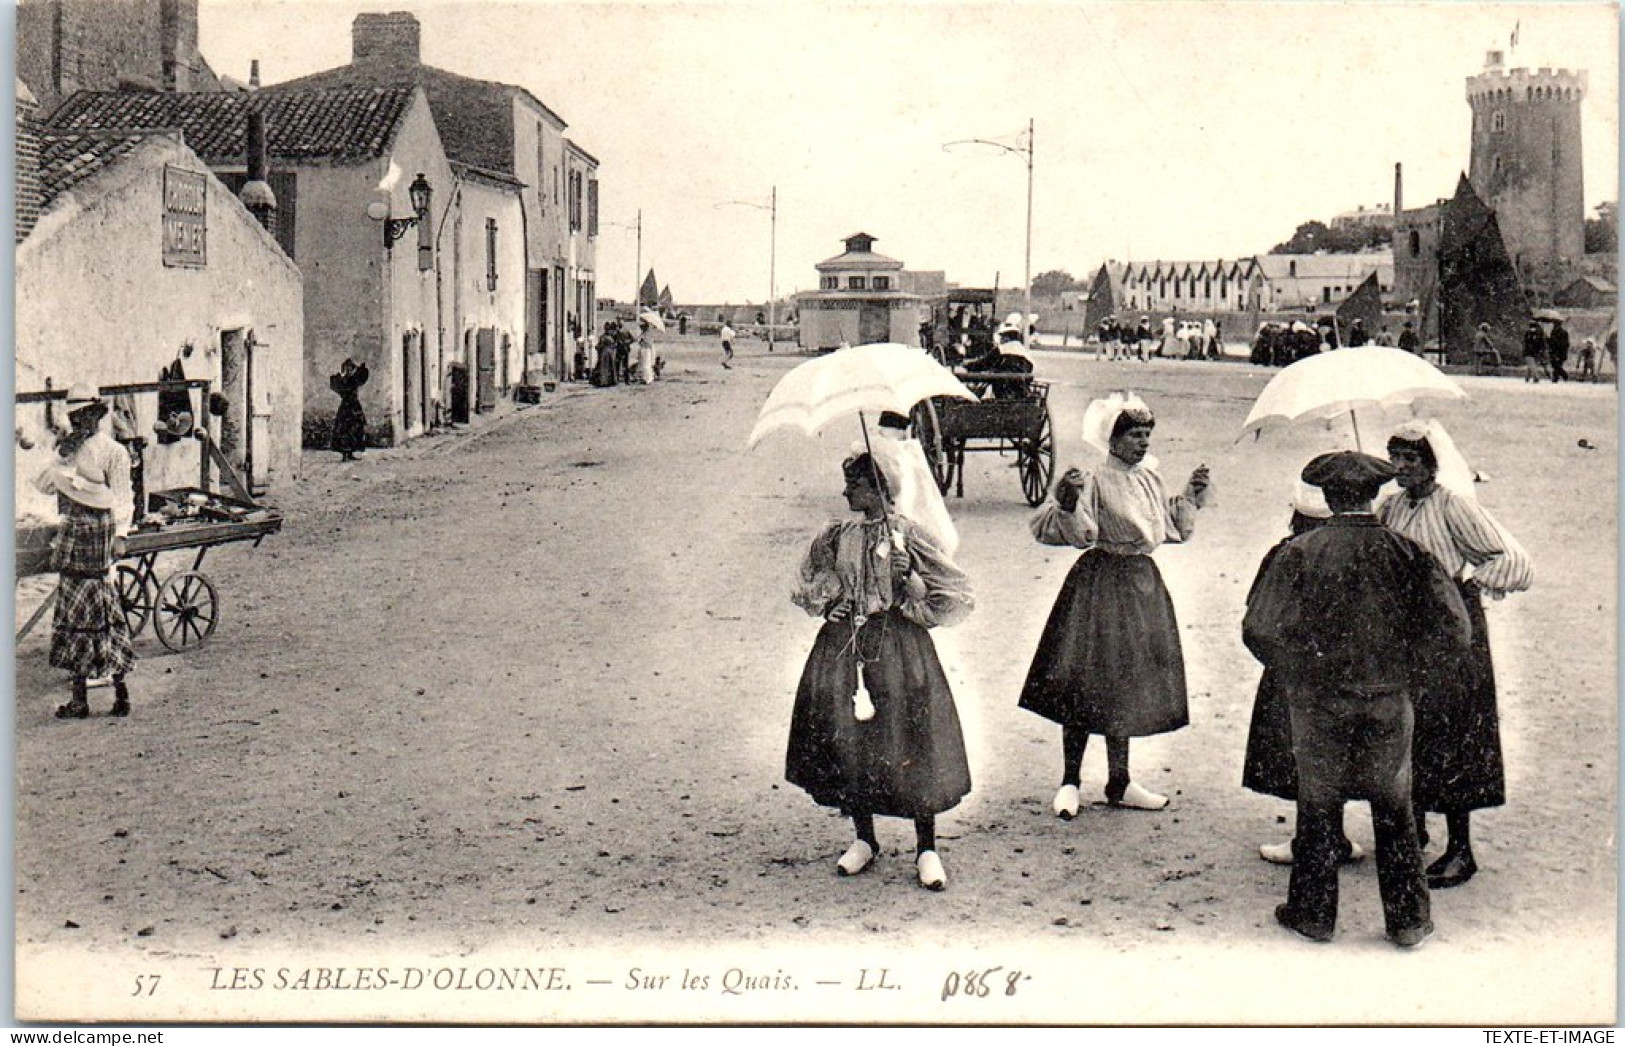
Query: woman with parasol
(1456, 763)
(91, 479)
(1110, 661)
(874, 730)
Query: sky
(1161, 129)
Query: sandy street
(524, 691)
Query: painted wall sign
(186, 227)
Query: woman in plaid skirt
(91, 479)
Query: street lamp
(1025, 149)
(395, 228)
(772, 207)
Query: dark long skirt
(1110, 661)
(349, 427)
(909, 760)
(1456, 759)
(1269, 767)
(89, 636)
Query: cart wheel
(1038, 464)
(135, 597)
(928, 430)
(186, 611)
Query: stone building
(1526, 163)
(430, 314)
(139, 260)
(65, 46)
(505, 130)
(859, 300)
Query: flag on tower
(1515, 27)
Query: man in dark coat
(1557, 350)
(1408, 339)
(1348, 616)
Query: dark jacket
(1557, 345)
(1354, 606)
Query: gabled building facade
(335, 153)
(139, 261)
(503, 129)
(859, 300)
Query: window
(575, 200)
(854, 283)
(1292, 269)
(1416, 244)
(490, 254)
(1325, 295)
(1498, 121)
(592, 207)
(829, 283)
(882, 283)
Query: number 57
(147, 985)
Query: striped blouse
(1461, 534)
(1122, 509)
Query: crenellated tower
(1526, 163)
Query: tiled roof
(67, 159)
(1324, 266)
(473, 116)
(340, 124)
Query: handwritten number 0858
(978, 984)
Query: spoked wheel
(1038, 464)
(928, 430)
(186, 611)
(135, 597)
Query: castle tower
(1526, 163)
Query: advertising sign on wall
(186, 195)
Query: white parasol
(877, 377)
(1331, 384)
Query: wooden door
(485, 361)
(874, 324)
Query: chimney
(29, 195)
(254, 73)
(392, 37)
(256, 193)
(1399, 191)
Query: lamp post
(395, 228)
(1025, 149)
(772, 207)
(637, 263)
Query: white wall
(96, 304)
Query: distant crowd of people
(1546, 354)
(615, 357)
(1173, 339)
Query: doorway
(237, 386)
(485, 362)
(411, 371)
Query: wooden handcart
(183, 605)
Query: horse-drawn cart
(1010, 415)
